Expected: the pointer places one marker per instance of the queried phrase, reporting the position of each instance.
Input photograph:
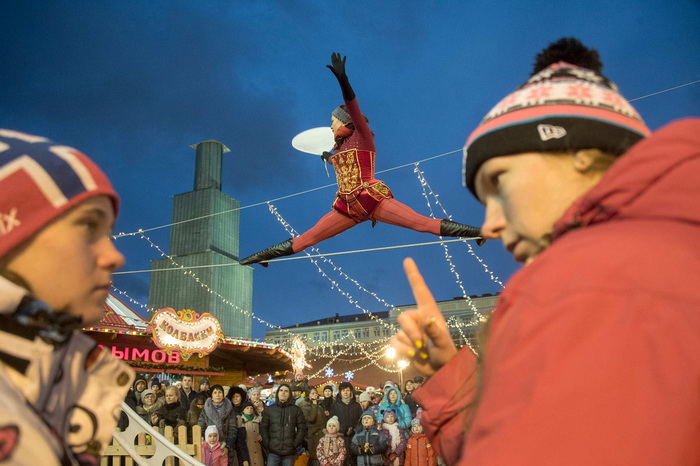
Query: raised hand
(424, 335)
(337, 65)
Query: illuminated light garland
(334, 285)
(424, 184)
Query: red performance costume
(360, 195)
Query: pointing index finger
(421, 292)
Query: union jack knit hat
(566, 105)
(40, 180)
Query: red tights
(388, 211)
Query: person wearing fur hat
(237, 395)
(60, 390)
(369, 444)
(395, 438)
(392, 401)
(250, 421)
(348, 412)
(212, 451)
(419, 451)
(578, 188)
(331, 448)
(360, 197)
(283, 428)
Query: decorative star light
(329, 372)
(349, 375)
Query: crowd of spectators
(291, 423)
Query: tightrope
(311, 256)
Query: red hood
(657, 178)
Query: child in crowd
(395, 439)
(369, 443)
(251, 422)
(212, 451)
(331, 448)
(419, 451)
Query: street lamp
(403, 364)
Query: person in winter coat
(315, 421)
(156, 387)
(392, 401)
(195, 410)
(327, 400)
(348, 412)
(204, 387)
(237, 395)
(59, 389)
(218, 411)
(369, 444)
(150, 405)
(408, 397)
(250, 421)
(419, 451)
(360, 196)
(138, 387)
(283, 428)
(331, 447)
(579, 189)
(171, 413)
(395, 439)
(212, 451)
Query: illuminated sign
(145, 355)
(185, 331)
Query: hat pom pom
(569, 50)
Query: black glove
(337, 66)
(325, 156)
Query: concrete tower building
(206, 237)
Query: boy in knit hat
(212, 452)
(577, 187)
(419, 451)
(369, 444)
(60, 390)
(331, 448)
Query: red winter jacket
(419, 451)
(593, 354)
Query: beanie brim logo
(548, 132)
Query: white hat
(211, 429)
(334, 420)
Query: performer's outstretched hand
(337, 65)
(424, 335)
